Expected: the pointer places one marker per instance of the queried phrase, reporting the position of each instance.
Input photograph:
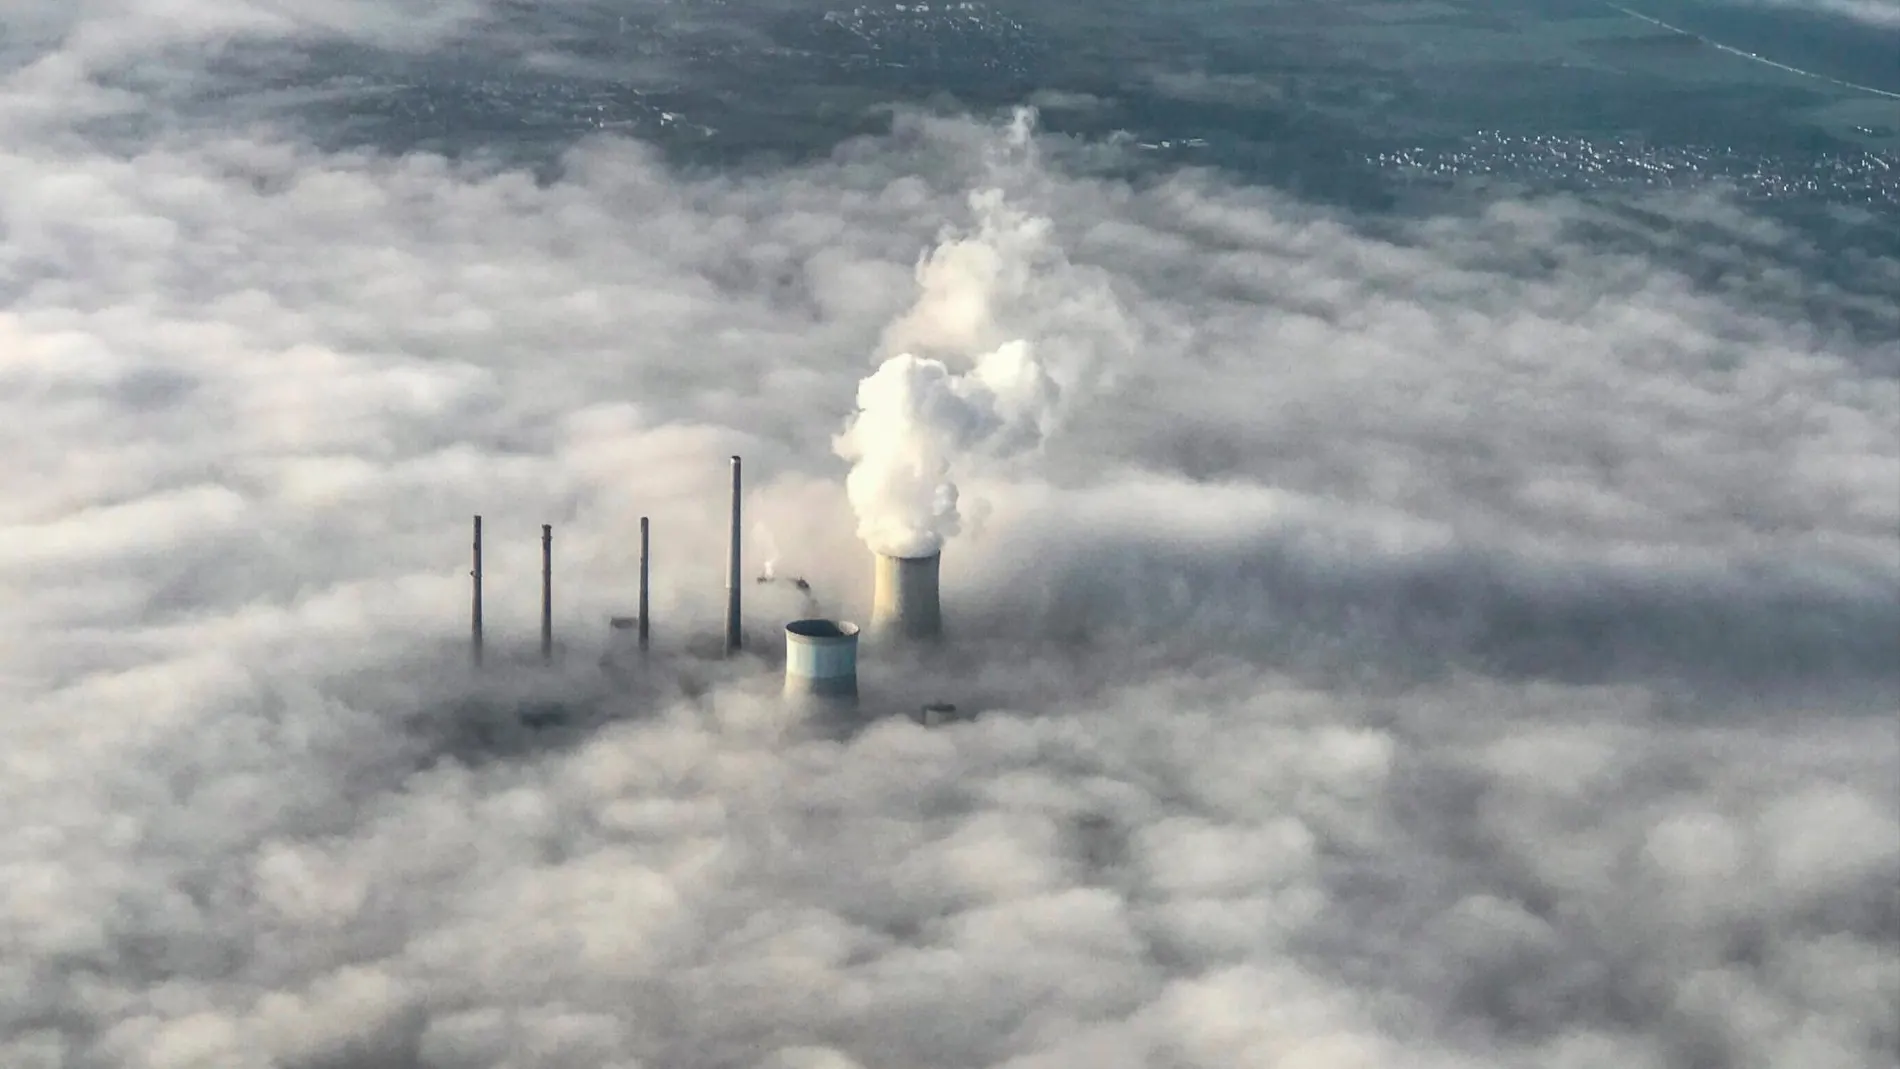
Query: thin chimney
(645, 568)
(547, 592)
(733, 639)
(475, 603)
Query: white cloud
(1458, 649)
(1884, 14)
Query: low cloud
(1884, 14)
(1459, 644)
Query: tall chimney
(733, 638)
(904, 605)
(475, 599)
(821, 662)
(547, 592)
(644, 570)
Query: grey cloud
(1462, 646)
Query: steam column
(733, 639)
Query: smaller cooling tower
(821, 661)
(904, 599)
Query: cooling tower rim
(819, 628)
(932, 555)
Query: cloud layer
(1454, 643)
(1884, 14)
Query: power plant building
(821, 661)
(904, 599)
(821, 655)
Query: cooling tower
(821, 661)
(904, 599)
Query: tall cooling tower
(821, 661)
(904, 603)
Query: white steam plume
(916, 417)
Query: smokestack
(644, 569)
(475, 600)
(733, 639)
(821, 662)
(547, 592)
(904, 604)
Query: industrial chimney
(904, 599)
(821, 662)
(734, 633)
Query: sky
(1451, 642)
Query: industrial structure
(821, 654)
(475, 621)
(821, 661)
(475, 602)
(734, 639)
(904, 600)
(547, 592)
(646, 570)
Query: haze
(1459, 635)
